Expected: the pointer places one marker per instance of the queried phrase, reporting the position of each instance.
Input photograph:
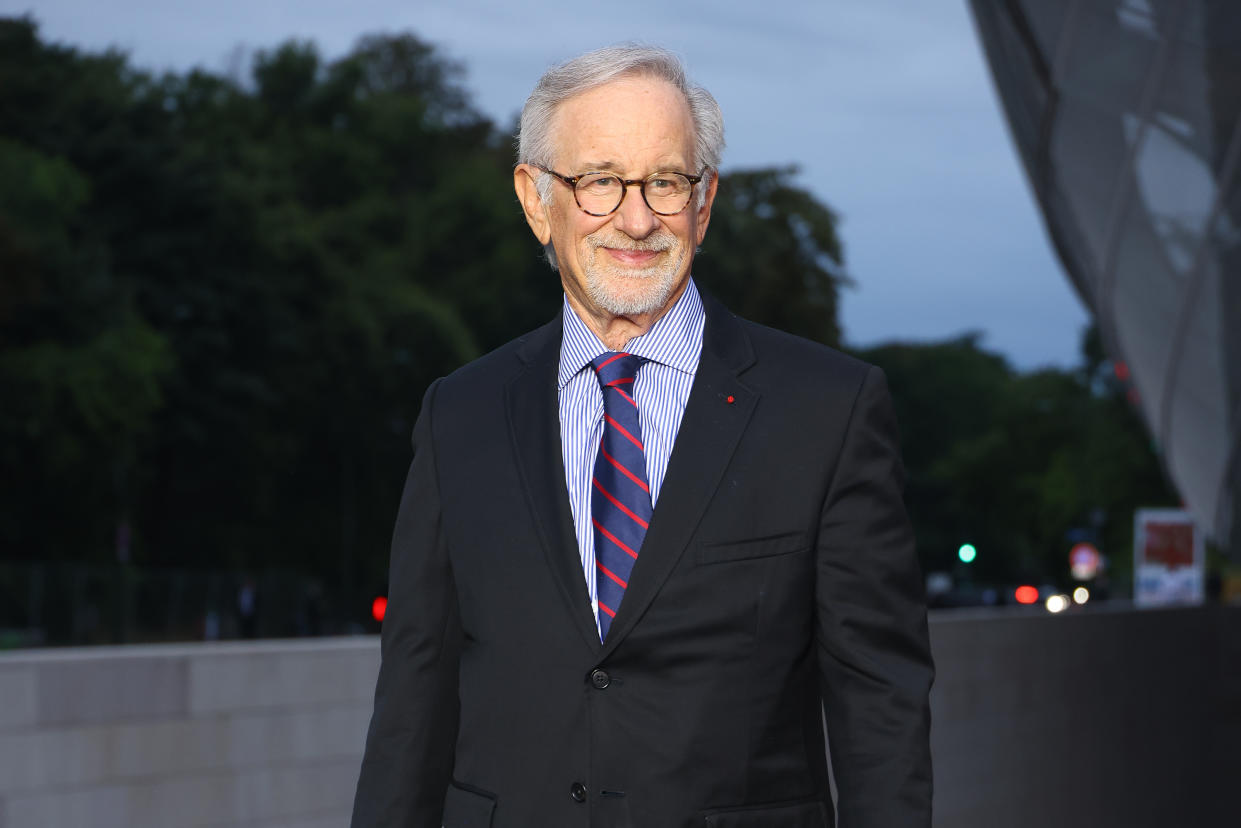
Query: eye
(598, 184)
(668, 184)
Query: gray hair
(594, 69)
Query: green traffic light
(967, 553)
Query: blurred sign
(1084, 561)
(1169, 558)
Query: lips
(635, 258)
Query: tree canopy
(1019, 465)
(221, 299)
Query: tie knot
(616, 368)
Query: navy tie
(620, 505)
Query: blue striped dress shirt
(672, 347)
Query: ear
(524, 177)
(704, 212)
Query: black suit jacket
(777, 580)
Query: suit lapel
(716, 415)
(534, 421)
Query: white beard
(627, 291)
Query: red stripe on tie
(621, 381)
(610, 360)
(626, 396)
(614, 539)
(605, 608)
(621, 429)
(618, 504)
(624, 470)
(611, 575)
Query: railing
(79, 604)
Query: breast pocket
(769, 546)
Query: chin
(631, 293)
(626, 291)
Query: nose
(633, 217)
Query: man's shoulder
(493, 370)
(781, 355)
(776, 341)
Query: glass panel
(1046, 19)
(1199, 100)
(1014, 62)
(1213, 23)
(1074, 252)
(1145, 300)
(1178, 191)
(1199, 443)
(1199, 440)
(1149, 17)
(1107, 65)
(1226, 250)
(1087, 149)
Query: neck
(614, 330)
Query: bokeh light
(1026, 594)
(1057, 603)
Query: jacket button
(600, 678)
(577, 792)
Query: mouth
(632, 258)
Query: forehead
(636, 124)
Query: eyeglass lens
(665, 193)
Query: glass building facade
(1125, 115)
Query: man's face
(632, 261)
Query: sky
(886, 107)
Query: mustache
(654, 243)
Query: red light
(1122, 371)
(1026, 594)
(378, 607)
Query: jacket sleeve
(873, 648)
(407, 764)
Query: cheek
(578, 236)
(566, 238)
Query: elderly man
(645, 548)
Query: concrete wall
(264, 734)
(1104, 718)
(1089, 719)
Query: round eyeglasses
(601, 193)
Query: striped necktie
(620, 505)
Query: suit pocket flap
(755, 548)
(467, 809)
(812, 814)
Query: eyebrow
(601, 166)
(613, 167)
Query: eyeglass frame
(626, 183)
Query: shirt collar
(674, 340)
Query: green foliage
(1014, 463)
(220, 303)
(772, 254)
